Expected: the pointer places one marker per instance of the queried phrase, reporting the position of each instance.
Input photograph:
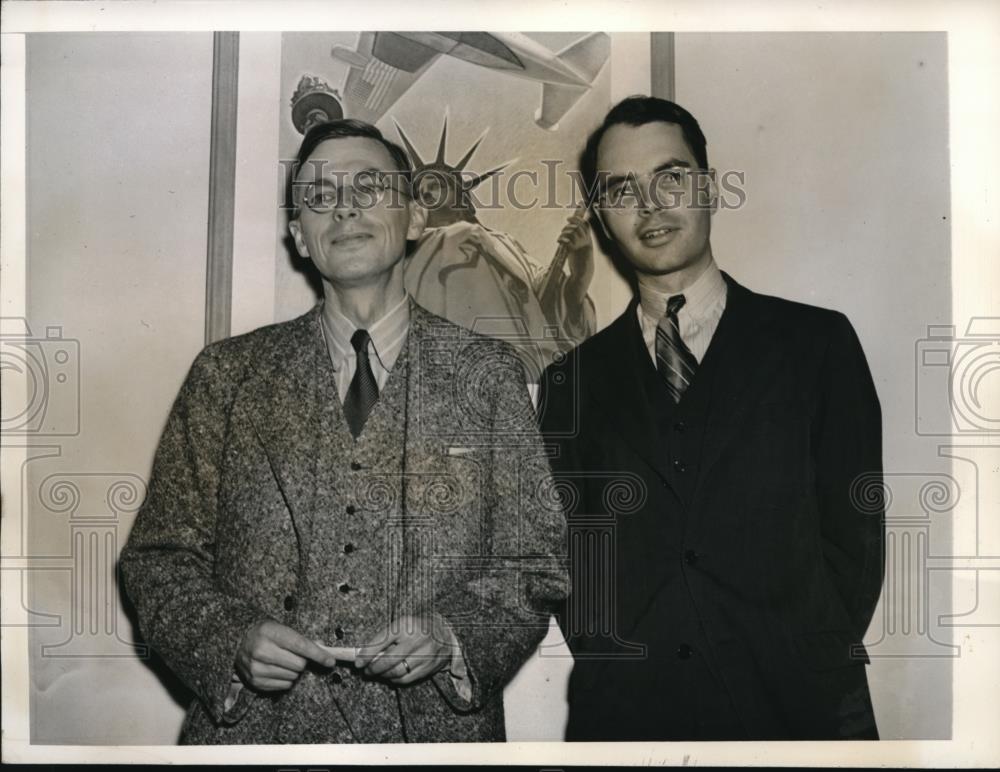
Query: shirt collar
(385, 333)
(699, 298)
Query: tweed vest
(356, 548)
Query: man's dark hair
(349, 127)
(638, 111)
(340, 129)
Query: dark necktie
(674, 361)
(362, 394)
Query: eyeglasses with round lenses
(367, 192)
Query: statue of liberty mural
(484, 279)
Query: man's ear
(295, 228)
(713, 192)
(418, 220)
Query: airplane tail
(556, 102)
(586, 57)
(588, 54)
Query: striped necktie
(674, 361)
(362, 394)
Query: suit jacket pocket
(829, 649)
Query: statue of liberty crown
(440, 164)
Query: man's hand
(271, 656)
(575, 237)
(409, 650)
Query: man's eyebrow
(339, 175)
(671, 163)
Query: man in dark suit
(719, 455)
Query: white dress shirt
(704, 302)
(388, 335)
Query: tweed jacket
(242, 480)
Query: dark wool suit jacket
(243, 479)
(752, 509)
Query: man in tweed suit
(349, 534)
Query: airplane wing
(373, 82)
(557, 99)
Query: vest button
(690, 557)
(289, 603)
(680, 426)
(684, 651)
(680, 467)
(350, 509)
(348, 548)
(355, 465)
(339, 632)
(336, 678)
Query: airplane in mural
(384, 65)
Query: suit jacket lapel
(294, 408)
(743, 354)
(431, 376)
(740, 353)
(630, 395)
(429, 416)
